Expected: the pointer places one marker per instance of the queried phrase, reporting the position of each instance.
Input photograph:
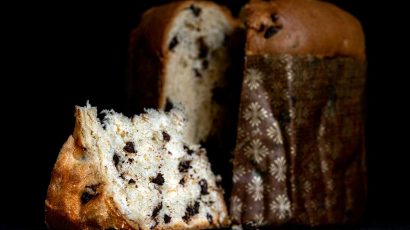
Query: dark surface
(63, 53)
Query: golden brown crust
(302, 27)
(64, 207)
(148, 43)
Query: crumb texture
(145, 170)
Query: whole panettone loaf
(300, 154)
(179, 56)
(134, 173)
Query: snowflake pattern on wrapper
(254, 114)
(255, 188)
(253, 78)
(278, 169)
(281, 206)
(256, 151)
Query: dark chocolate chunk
(191, 211)
(195, 10)
(116, 159)
(156, 210)
(174, 42)
(270, 31)
(209, 218)
(261, 28)
(122, 176)
(168, 106)
(184, 166)
(167, 219)
(166, 136)
(203, 48)
(197, 73)
(129, 147)
(274, 17)
(130, 160)
(169, 153)
(110, 228)
(131, 181)
(196, 207)
(89, 193)
(86, 197)
(159, 179)
(204, 187)
(188, 150)
(182, 181)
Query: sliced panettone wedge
(135, 173)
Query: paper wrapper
(300, 153)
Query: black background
(63, 53)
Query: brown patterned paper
(300, 153)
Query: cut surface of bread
(192, 48)
(136, 173)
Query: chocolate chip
(174, 42)
(89, 193)
(270, 31)
(131, 181)
(261, 28)
(182, 181)
(110, 228)
(204, 187)
(130, 160)
(159, 179)
(274, 17)
(203, 48)
(209, 218)
(197, 73)
(169, 153)
(129, 147)
(156, 210)
(184, 166)
(195, 10)
(196, 207)
(116, 159)
(122, 176)
(166, 136)
(191, 211)
(86, 197)
(167, 219)
(168, 105)
(188, 150)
